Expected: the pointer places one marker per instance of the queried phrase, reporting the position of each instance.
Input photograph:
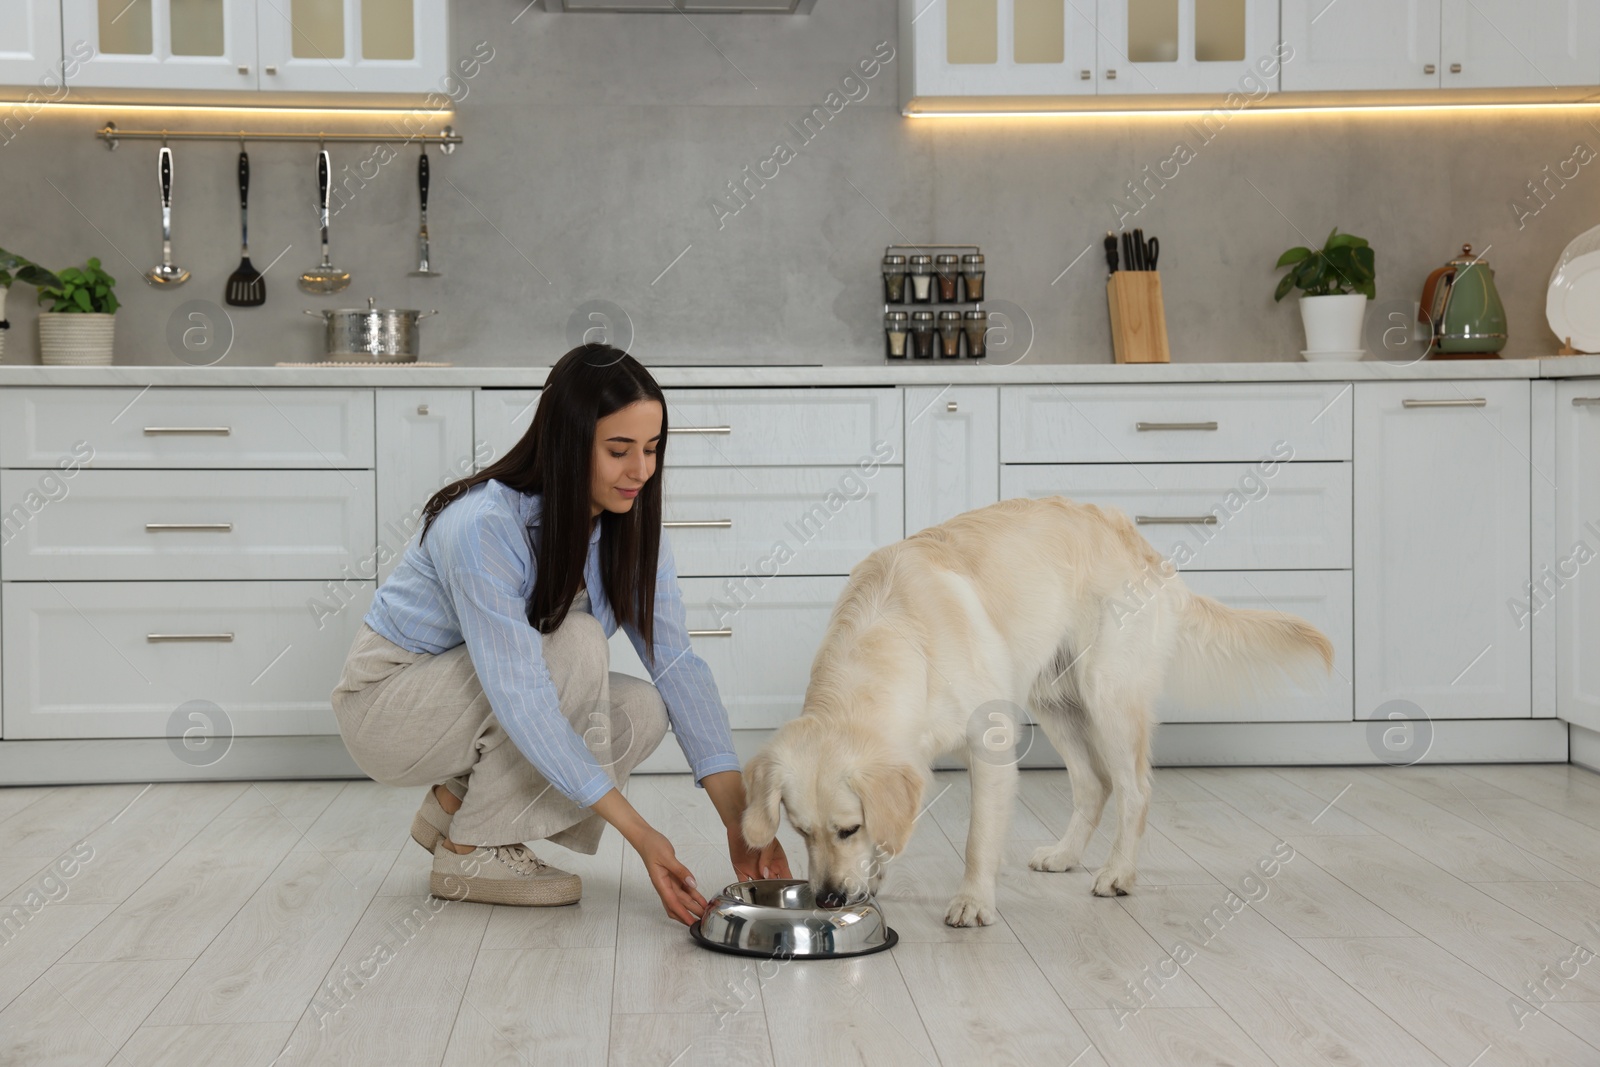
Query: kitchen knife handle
(164, 168)
(422, 178)
(1154, 248)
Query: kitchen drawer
(267, 653)
(758, 637)
(1175, 423)
(109, 525)
(499, 419)
(313, 429)
(797, 520)
(822, 427)
(1295, 518)
(1322, 598)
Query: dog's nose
(831, 898)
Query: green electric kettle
(1460, 302)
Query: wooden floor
(1428, 916)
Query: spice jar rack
(932, 302)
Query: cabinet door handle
(700, 429)
(152, 638)
(422, 409)
(698, 524)
(156, 431)
(156, 527)
(1475, 402)
(1455, 68)
(1085, 75)
(270, 70)
(1586, 401)
(1175, 520)
(1111, 75)
(725, 632)
(952, 406)
(1143, 427)
(1430, 69)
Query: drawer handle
(155, 527)
(1143, 427)
(698, 524)
(1475, 402)
(700, 429)
(1586, 401)
(1175, 520)
(220, 431)
(188, 637)
(726, 632)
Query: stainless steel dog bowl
(779, 918)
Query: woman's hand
(672, 880)
(752, 863)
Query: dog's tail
(1225, 654)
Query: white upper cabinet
(1361, 44)
(1533, 43)
(30, 44)
(1187, 46)
(1001, 47)
(371, 46)
(163, 44)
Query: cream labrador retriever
(1061, 606)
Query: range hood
(688, 7)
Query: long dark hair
(553, 459)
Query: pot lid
(1467, 259)
(370, 309)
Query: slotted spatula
(246, 286)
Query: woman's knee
(578, 652)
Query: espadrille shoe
(501, 874)
(431, 823)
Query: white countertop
(937, 373)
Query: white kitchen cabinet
(1361, 44)
(1442, 498)
(735, 428)
(424, 443)
(1572, 590)
(499, 419)
(370, 46)
(962, 48)
(758, 636)
(256, 650)
(1186, 46)
(164, 44)
(30, 47)
(952, 452)
(1535, 43)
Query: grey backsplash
(597, 147)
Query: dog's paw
(1113, 882)
(967, 910)
(1051, 858)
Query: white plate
(1581, 245)
(1572, 305)
(1334, 357)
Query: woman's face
(624, 456)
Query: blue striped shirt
(470, 581)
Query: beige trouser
(414, 718)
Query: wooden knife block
(1138, 317)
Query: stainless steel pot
(379, 335)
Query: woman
(493, 629)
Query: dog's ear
(763, 793)
(889, 798)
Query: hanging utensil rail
(446, 139)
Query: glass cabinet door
(1003, 48)
(30, 45)
(170, 44)
(1188, 46)
(355, 45)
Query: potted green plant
(78, 327)
(1335, 281)
(15, 268)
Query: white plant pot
(1334, 323)
(72, 339)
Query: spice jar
(896, 327)
(922, 334)
(949, 335)
(972, 275)
(947, 265)
(976, 325)
(921, 279)
(894, 279)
